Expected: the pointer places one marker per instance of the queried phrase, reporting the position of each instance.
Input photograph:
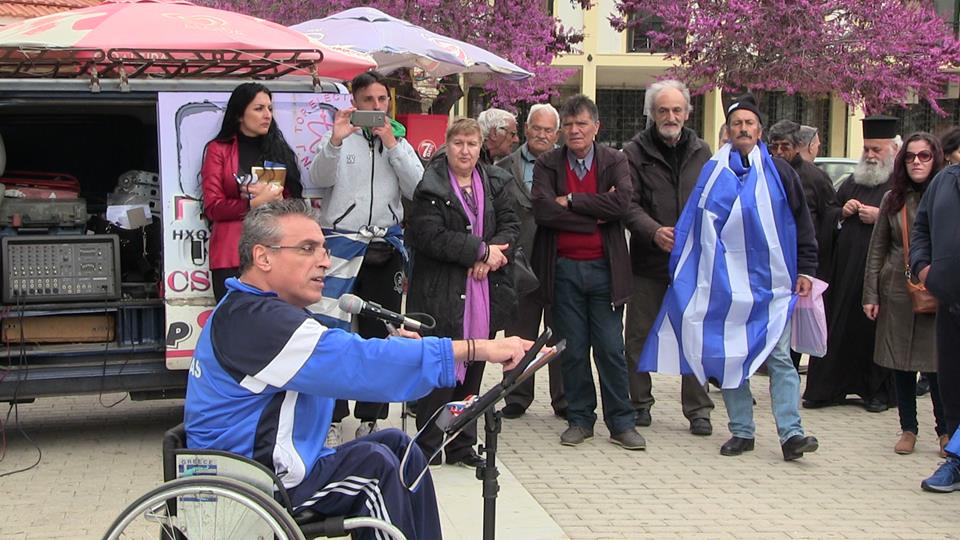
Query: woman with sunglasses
(905, 341)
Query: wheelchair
(215, 495)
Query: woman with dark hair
(950, 141)
(248, 137)
(462, 225)
(905, 341)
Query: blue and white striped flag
(347, 250)
(733, 269)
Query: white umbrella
(395, 44)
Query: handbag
(923, 300)
(524, 279)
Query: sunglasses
(924, 156)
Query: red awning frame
(27, 63)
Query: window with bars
(814, 112)
(637, 40)
(922, 117)
(621, 115)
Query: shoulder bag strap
(906, 242)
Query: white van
(136, 147)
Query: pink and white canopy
(175, 29)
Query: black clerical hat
(744, 102)
(879, 127)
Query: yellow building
(617, 66)
(614, 68)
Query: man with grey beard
(848, 366)
(665, 162)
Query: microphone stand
(488, 473)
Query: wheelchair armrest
(328, 527)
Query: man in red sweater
(581, 194)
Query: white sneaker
(367, 428)
(334, 436)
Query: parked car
(836, 168)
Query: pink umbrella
(168, 38)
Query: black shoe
(560, 413)
(795, 446)
(701, 426)
(736, 446)
(819, 404)
(470, 460)
(513, 410)
(875, 405)
(643, 417)
(923, 386)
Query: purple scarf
(476, 310)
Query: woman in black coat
(461, 227)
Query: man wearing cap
(745, 248)
(848, 366)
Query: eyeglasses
(924, 156)
(782, 146)
(306, 250)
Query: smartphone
(368, 119)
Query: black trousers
(948, 364)
(906, 386)
(527, 325)
(431, 437)
(382, 284)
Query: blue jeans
(584, 315)
(784, 396)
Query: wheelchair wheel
(204, 508)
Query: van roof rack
(28, 63)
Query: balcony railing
(637, 40)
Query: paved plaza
(96, 460)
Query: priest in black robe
(848, 366)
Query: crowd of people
(662, 257)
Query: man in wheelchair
(266, 373)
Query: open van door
(186, 122)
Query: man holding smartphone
(360, 174)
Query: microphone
(355, 305)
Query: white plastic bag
(809, 325)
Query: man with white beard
(665, 162)
(848, 366)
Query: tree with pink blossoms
(873, 53)
(519, 30)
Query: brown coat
(588, 209)
(905, 340)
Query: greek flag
(347, 250)
(733, 269)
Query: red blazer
(223, 204)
